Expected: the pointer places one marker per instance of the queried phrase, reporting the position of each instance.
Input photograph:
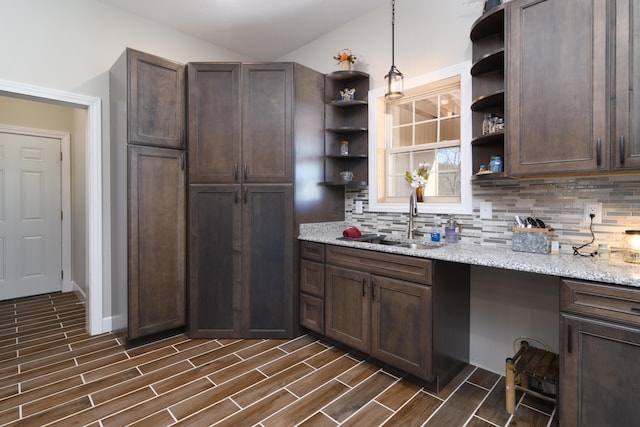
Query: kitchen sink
(381, 240)
(413, 245)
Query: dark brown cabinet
(148, 199)
(626, 135)
(312, 286)
(412, 313)
(215, 227)
(156, 100)
(557, 89)
(396, 304)
(346, 120)
(599, 350)
(348, 307)
(156, 240)
(246, 141)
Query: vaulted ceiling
(261, 29)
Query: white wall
(429, 35)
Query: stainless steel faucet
(413, 211)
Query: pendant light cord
(393, 33)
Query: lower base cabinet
(241, 263)
(411, 313)
(599, 375)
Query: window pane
(427, 109)
(450, 129)
(449, 184)
(450, 104)
(449, 159)
(398, 187)
(427, 133)
(399, 163)
(402, 136)
(424, 156)
(402, 113)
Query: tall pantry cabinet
(256, 158)
(148, 203)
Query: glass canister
(487, 123)
(496, 165)
(632, 246)
(344, 148)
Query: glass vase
(419, 194)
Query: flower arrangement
(345, 55)
(418, 178)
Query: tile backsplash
(559, 202)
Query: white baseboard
(114, 323)
(82, 296)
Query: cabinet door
(626, 142)
(156, 240)
(214, 123)
(267, 260)
(156, 101)
(347, 307)
(214, 261)
(556, 86)
(401, 325)
(267, 93)
(599, 374)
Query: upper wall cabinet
(156, 101)
(626, 136)
(557, 86)
(572, 68)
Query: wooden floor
(53, 373)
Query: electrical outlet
(595, 209)
(486, 210)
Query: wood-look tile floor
(53, 373)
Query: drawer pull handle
(364, 282)
(622, 149)
(635, 309)
(598, 151)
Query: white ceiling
(263, 30)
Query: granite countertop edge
(614, 271)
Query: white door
(30, 215)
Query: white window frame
(377, 129)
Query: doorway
(93, 176)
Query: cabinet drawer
(312, 278)
(312, 313)
(312, 251)
(402, 267)
(609, 302)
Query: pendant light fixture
(394, 79)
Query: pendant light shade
(394, 79)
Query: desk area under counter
(560, 300)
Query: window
(430, 124)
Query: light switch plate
(358, 206)
(486, 210)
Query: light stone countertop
(614, 271)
